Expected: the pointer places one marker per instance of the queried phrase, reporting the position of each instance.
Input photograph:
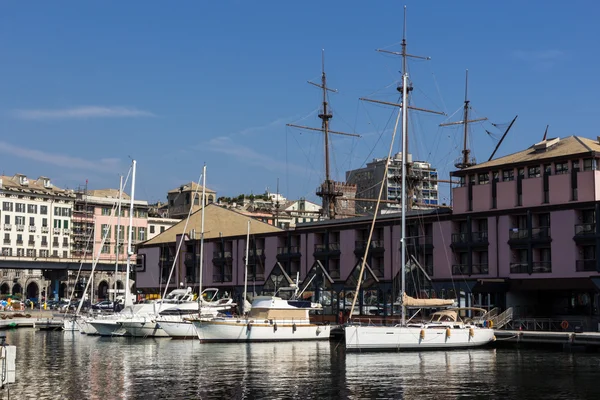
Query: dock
(564, 339)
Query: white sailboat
(445, 330)
(268, 319)
(108, 325)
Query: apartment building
(36, 218)
(422, 184)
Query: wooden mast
(327, 190)
(466, 160)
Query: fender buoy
(294, 327)
(471, 332)
(249, 327)
(447, 332)
(564, 324)
(422, 334)
(341, 317)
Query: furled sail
(412, 302)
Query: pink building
(95, 225)
(523, 233)
(526, 225)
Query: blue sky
(88, 85)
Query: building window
(484, 178)
(32, 208)
(44, 222)
(589, 164)
(521, 172)
(162, 229)
(561, 168)
(533, 172)
(20, 207)
(576, 166)
(106, 249)
(7, 251)
(151, 228)
(31, 221)
(105, 211)
(7, 206)
(7, 219)
(142, 234)
(548, 169)
(44, 210)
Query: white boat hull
(145, 328)
(374, 338)
(224, 330)
(71, 325)
(108, 328)
(179, 329)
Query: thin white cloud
(82, 113)
(273, 124)
(539, 55)
(242, 153)
(540, 60)
(107, 165)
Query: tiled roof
(191, 186)
(34, 186)
(557, 148)
(108, 193)
(218, 222)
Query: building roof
(218, 222)
(191, 186)
(108, 193)
(544, 150)
(42, 185)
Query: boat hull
(107, 328)
(179, 329)
(144, 329)
(396, 338)
(244, 331)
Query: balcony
(460, 238)
(7, 227)
(463, 240)
(542, 267)
(32, 228)
(520, 236)
(222, 254)
(20, 228)
(6, 241)
(45, 229)
(585, 229)
(256, 253)
(325, 250)
(585, 265)
(537, 267)
(56, 231)
(31, 243)
(519, 268)
(460, 269)
(19, 242)
(476, 269)
(375, 247)
(66, 231)
(44, 244)
(585, 233)
(287, 252)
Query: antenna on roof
(546, 132)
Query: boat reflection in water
(420, 375)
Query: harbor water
(67, 365)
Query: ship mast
(406, 166)
(466, 160)
(327, 191)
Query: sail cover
(412, 302)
